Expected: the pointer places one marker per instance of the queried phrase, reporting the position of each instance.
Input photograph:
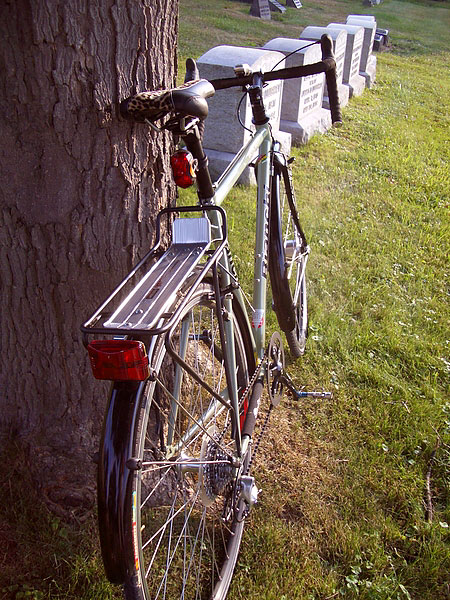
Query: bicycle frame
(260, 145)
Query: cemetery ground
(354, 500)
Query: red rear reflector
(182, 163)
(120, 360)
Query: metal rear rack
(144, 310)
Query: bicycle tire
(187, 526)
(288, 253)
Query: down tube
(262, 238)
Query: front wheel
(288, 255)
(185, 507)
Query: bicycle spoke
(185, 485)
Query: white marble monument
(224, 135)
(302, 114)
(339, 38)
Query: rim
(185, 524)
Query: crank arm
(284, 379)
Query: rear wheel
(288, 254)
(185, 508)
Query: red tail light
(182, 163)
(119, 360)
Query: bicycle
(187, 365)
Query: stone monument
(351, 76)
(302, 114)
(294, 3)
(275, 6)
(368, 64)
(224, 135)
(261, 9)
(363, 17)
(339, 38)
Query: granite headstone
(339, 38)
(302, 113)
(351, 76)
(261, 9)
(275, 6)
(368, 64)
(224, 135)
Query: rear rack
(144, 310)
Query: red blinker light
(182, 163)
(119, 360)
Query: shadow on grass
(42, 556)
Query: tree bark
(78, 190)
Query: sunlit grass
(342, 510)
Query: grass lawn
(344, 508)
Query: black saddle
(188, 100)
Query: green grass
(41, 556)
(342, 511)
(417, 27)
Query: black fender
(114, 480)
(281, 293)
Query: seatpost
(194, 144)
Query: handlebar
(189, 100)
(327, 65)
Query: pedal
(298, 394)
(302, 394)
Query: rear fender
(114, 480)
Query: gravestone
(363, 17)
(378, 42)
(224, 135)
(339, 45)
(355, 38)
(260, 8)
(302, 114)
(368, 64)
(384, 34)
(275, 6)
(294, 3)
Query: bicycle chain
(264, 360)
(245, 393)
(259, 438)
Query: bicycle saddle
(188, 100)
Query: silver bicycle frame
(258, 146)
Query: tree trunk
(78, 189)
